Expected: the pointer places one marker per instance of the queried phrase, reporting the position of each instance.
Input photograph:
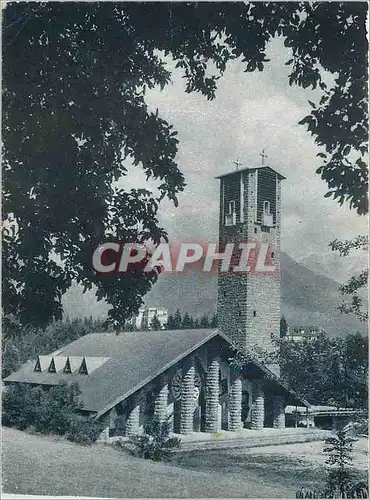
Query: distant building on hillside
(145, 316)
(299, 333)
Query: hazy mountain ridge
(307, 298)
(333, 266)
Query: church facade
(185, 377)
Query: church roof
(109, 368)
(135, 358)
(250, 169)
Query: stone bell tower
(248, 306)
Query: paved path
(251, 439)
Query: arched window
(266, 207)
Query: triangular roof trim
(83, 368)
(75, 362)
(67, 367)
(52, 368)
(59, 362)
(44, 362)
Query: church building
(185, 376)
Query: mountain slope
(307, 298)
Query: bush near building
(155, 443)
(48, 412)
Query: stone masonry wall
(161, 400)
(212, 395)
(258, 407)
(278, 412)
(235, 404)
(249, 306)
(133, 419)
(187, 397)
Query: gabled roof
(250, 169)
(119, 365)
(135, 358)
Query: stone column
(235, 403)
(258, 406)
(161, 401)
(187, 398)
(104, 436)
(212, 396)
(278, 403)
(133, 419)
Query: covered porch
(204, 394)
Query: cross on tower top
(263, 156)
(237, 163)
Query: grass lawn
(291, 466)
(50, 466)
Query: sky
(251, 112)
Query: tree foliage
(48, 412)
(75, 121)
(155, 443)
(357, 283)
(327, 370)
(187, 321)
(155, 323)
(179, 322)
(340, 451)
(341, 479)
(322, 370)
(283, 327)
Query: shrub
(20, 405)
(340, 477)
(155, 442)
(48, 412)
(84, 430)
(56, 411)
(11, 359)
(340, 482)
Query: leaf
(306, 119)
